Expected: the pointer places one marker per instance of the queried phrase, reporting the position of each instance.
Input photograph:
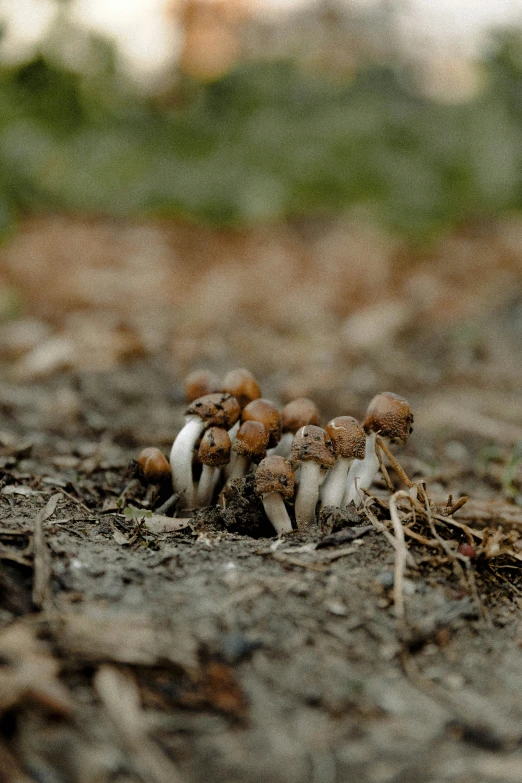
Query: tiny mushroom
(348, 441)
(274, 482)
(213, 453)
(218, 410)
(388, 415)
(312, 450)
(266, 412)
(296, 414)
(250, 446)
(242, 385)
(153, 466)
(200, 382)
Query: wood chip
(491, 510)
(132, 639)
(157, 523)
(29, 672)
(14, 489)
(120, 696)
(11, 771)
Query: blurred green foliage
(267, 141)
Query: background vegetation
(265, 141)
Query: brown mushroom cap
(200, 382)
(251, 440)
(217, 410)
(153, 465)
(347, 436)
(266, 412)
(275, 474)
(214, 449)
(390, 416)
(298, 413)
(312, 443)
(242, 385)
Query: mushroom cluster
(230, 430)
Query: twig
(444, 544)
(42, 554)
(381, 528)
(384, 472)
(456, 506)
(127, 490)
(507, 581)
(394, 462)
(168, 505)
(336, 554)
(77, 501)
(396, 465)
(285, 560)
(401, 554)
(457, 561)
(421, 539)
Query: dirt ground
(216, 652)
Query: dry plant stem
(122, 497)
(206, 484)
(42, 555)
(456, 506)
(307, 494)
(294, 561)
(381, 528)
(444, 544)
(276, 512)
(458, 562)
(421, 539)
(168, 505)
(401, 554)
(396, 465)
(181, 459)
(506, 581)
(384, 472)
(393, 461)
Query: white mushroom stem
(307, 494)
(334, 485)
(232, 435)
(284, 447)
(181, 459)
(207, 482)
(361, 474)
(276, 512)
(233, 430)
(239, 467)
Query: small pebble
(337, 608)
